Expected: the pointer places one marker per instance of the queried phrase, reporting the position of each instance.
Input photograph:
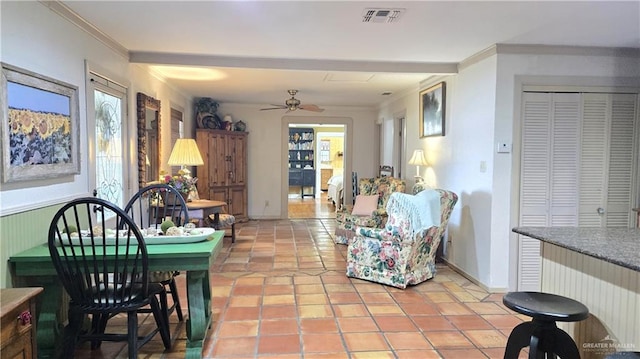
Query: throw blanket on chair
(422, 210)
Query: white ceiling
(323, 48)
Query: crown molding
(567, 50)
(68, 14)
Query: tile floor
(280, 292)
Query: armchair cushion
(365, 205)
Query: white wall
(267, 150)
(39, 40)
(482, 107)
(601, 71)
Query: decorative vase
(240, 126)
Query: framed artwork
(40, 130)
(432, 110)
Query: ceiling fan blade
(277, 107)
(309, 107)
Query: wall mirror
(148, 139)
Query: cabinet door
(236, 150)
(218, 171)
(237, 202)
(219, 194)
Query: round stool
(541, 334)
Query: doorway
(333, 157)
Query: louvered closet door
(577, 166)
(607, 160)
(549, 172)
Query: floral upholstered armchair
(403, 252)
(347, 219)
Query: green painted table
(33, 267)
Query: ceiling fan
(293, 104)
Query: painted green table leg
(199, 298)
(48, 324)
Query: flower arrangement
(183, 181)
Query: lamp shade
(418, 158)
(185, 153)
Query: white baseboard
(473, 279)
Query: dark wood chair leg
(233, 233)
(176, 298)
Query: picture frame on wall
(432, 110)
(40, 128)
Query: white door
(108, 160)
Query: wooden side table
(18, 322)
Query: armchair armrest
(369, 232)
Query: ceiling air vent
(382, 15)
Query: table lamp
(185, 153)
(418, 160)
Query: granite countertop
(620, 246)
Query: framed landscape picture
(40, 133)
(432, 110)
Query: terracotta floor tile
(326, 356)
(277, 344)
(407, 340)
(384, 309)
(486, 338)
(462, 354)
(279, 299)
(309, 289)
(419, 309)
(357, 324)
(243, 328)
(373, 355)
(327, 325)
(315, 311)
(408, 297)
(365, 342)
(377, 297)
(453, 309)
(418, 354)
(465, 322)
(278, 326)
(350, 310)
(502, 321)
(245, 301)
(242, 313)
(235, 347)
(448, 339)
(322, 343)
(303, 299)
(276, 289)
(279, 311)
(432, 323)
(341, 298)
(395, 324)
(247, 290)
(486, 308)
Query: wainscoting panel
(611, 292)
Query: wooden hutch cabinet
(223, 177)
(18, 325)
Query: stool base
(544, 339)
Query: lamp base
(418, 179)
